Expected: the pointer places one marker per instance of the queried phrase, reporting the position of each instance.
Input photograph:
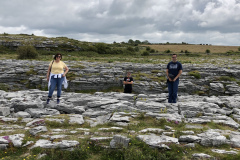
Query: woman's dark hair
(58, 54)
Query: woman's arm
(66, 71)
(48, 73)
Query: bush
(207, 51)
(148, 48)
(131, 49)
(136, 49)
(27, 52)
(167, 51)
(4, 50)
(196, 74)
(152, 50)
(92, 48)
(145, 53)
(101, 48)
(238, 48)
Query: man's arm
(179, 73)
(125, 82)
(129, 82)
(167, 75)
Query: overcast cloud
(214, 22)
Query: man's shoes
(48, 100)
(58, 101)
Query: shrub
(152, 50)
(238, 48)
(196, 74)
(101, 48)
(225, 78)
(4, 50)
(207, 51)
(131, 49)
(92, 48)
(148, 48)
(136, 49)
(167, 51)
(27, 52)
(145, 53)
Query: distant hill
(67, 44)
(193, 48)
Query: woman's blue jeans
(55, 82)
(172, 90)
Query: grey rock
(211, 138)
(188, 132)
(119, 141)
(37, 113)
(119, 118)
(3, 146)
(4, 111)
(22, 114)
(189, 139)
(36, 122)
(221, 151)
(235, 139)
(76, 118)
(156, 141)
(93, 114)
(151, 130)
(28, 143)
(34, 131)
(101, 102)
(64, 144)
(22, 106)
(217, 87)
(100, 138)
(190, 145)
(201, 156)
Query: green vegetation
(225, 78)
(196, 74)
(93, 149)
(4, 87)
(208, 51)
(27, 52)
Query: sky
(215, 22)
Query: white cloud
(191, 21)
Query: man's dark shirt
(128, 87)
(174, 68)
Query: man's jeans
(55, 82)
(172, 90)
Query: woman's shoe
(48, 100)
(58, 101)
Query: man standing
(174, 70)
(128, 81)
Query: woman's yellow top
(57, 68)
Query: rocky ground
(203, 79)
(116, 120)
(27, 111)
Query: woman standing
(56, 77)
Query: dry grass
(194, 48)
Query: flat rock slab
(156, 141)
(34, 131)
(64, 144)
(76, 119)
(221, 151)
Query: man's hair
(174, 54)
